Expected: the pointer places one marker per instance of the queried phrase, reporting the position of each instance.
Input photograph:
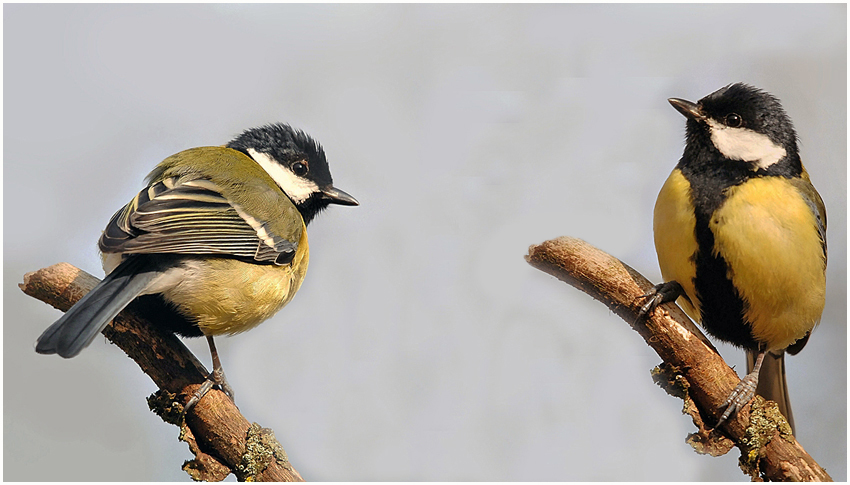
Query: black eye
(300, 169)
(733, 120)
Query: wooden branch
(692, 368)
(222, 440)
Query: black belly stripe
(721, 307)
(166, 316)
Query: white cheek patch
(298, 189)
(745, 144)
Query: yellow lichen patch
(765, 421)
(670, 379)
(261, 448)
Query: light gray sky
(421, 345)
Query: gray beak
(687, 108)
(335, 196)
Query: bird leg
(218, 372)
(215, 378)
(743, 392)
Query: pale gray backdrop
(421, 346)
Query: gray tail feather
(81, 324)
(772, 384)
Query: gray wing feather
(191, 217)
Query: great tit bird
(218, 235)
(740, 233)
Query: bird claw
(738, 398)
(215, 378)
(218, 376)
(658, 295)
(653, 299)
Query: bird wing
(816, 205)
(192, 216)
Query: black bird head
(297, 163)
(742, 123)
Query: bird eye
(733, 120)
(300, 169)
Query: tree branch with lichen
(691, 369)
(221, 439)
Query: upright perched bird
(740, 234)
(219, 235)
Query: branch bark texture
(222, 440)
(692, 368)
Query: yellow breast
(229, 296)
(675, 242)
(768, 236)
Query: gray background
(421, 346)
